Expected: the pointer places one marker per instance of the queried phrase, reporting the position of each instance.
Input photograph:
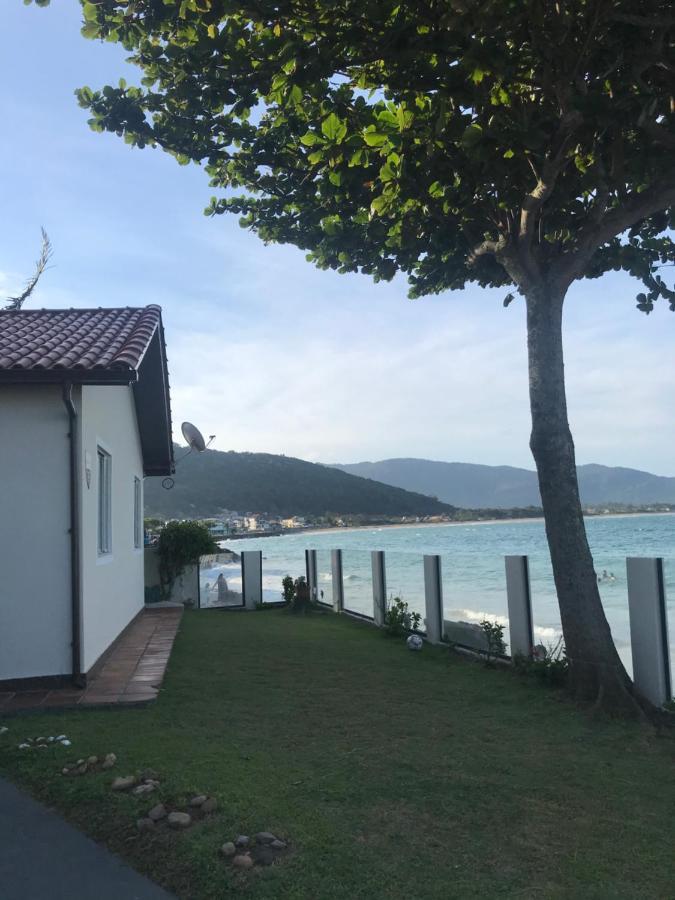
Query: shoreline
(472, 522)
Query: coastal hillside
(477, 486)
(206, 483)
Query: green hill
(206, 483)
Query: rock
(149, 775)
(123, 782)
(157, 812)
(61, 737)
(40, 740)
(198, 800)
(24, 746)
(65, 771)
(65, 742)
(179, 820)
(109, 761)
(278, 845)
(264, 856)
(265, 837)
(147, 824)
(50, 739)
(83, 769)
(4, 729)
(143, 789)
(209, 805)
(80, 762)
(242, 841)
(92, 760)
(242, 862)
(228, 849)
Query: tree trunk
(596, 671)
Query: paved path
(131, 672)
(44, 858)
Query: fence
(646, 604)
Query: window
(138, 512)
(104, 502)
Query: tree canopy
(452, 140)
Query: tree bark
(596, 671)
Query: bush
(301, 602)
(494, 640)
(288, 588)
(399, 621)
(548, 664)
(181, 544)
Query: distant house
(84, 417)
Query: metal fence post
(379, 586)
(338, 582)
(433, 598)
(649, 629)
(312, 578)
(519, 601)
(251, 577)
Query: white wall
(35, 618)
(112, 585)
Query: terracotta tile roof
(84, 341)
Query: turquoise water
(474, 585)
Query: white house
(84, 417)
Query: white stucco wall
(112, 585)
(35, 619)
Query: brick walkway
(132, 673)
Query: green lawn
(392, 774)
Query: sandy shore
(514, 521)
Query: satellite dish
(193, 437)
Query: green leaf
(509, 154)
(472, 135)
(334, 128)
(436, 189)
(380, 205)
(375, 138)
(310, 139)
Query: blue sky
(267, 352)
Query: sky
(269, 353)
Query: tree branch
(487, 248)
(658, 196)
(41, 264)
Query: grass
(392, 774)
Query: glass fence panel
(220, 583)
(358, 581)
(324, 577)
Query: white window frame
(104, 483)
(138, 513)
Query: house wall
(112, 584)
(35, 617)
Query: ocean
(474, 585)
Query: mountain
(206, 483)
(476, 486)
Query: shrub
(302, 602)
(398, 620)
(288, 588)
(494, 640)
(181, 544)
(548, 664)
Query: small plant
(302, 602)
(398, 620)
(494, 640)
(288, 588)
(549, 664)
